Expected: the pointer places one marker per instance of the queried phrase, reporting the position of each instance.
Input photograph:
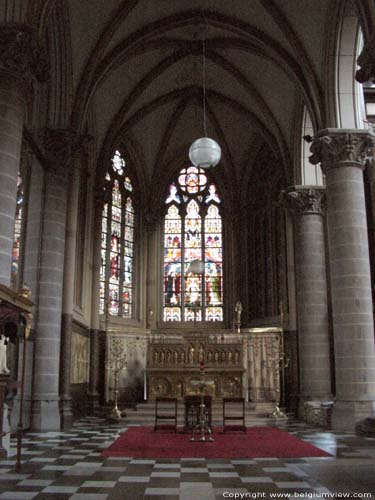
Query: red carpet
(143, 442)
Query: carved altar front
(240, 365)
(173, 365)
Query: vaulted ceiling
(137, 65)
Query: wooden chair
(165, 413)
(234, 417)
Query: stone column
(68, 298)
(21, 60)
(342, 154)
(45, 411)
(307, 206)
(32, 245)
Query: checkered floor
(68, 465)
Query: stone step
(259, 414)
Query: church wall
(79, 369)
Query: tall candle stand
(116, 364)
(202, 428)
(281, 363)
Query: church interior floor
(68, 465)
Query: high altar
(245, 364)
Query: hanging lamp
(204, 152)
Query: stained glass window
(193, 261)
(17, 233)
(117, 242)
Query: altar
(166, 364)
(173, 365)
(239, 365)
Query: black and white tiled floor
(68, 465)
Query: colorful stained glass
(172, 262)
(193, 314)
(214, 314)
(173, 196)
(192, 180)
(116, 272)
(212, 194)
(118, 163)
(213, 262)
(193, 289)
(113, 299)
(189, 237)
(128, 184)
(17, 233)
(172, 314)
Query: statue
(201, 354)
(150, 317)
(191, 355)
(25, 292)
(237, 315)
(3, 355)
(238, 311)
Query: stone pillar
(307, 206)
(68, 299)
(21, 60)
(32, 245)
(342, 154)
(45, 410)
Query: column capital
(152, 220)
(57, 148)
(334, 147)
(366, 62)
(21, 53)
(302, 200)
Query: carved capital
(21, 54)
(301, 200)
(152, 220)
(366, 62)
(57, 145)
(338, 147)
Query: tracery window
(117, 242)
(17, 234)
(193, 261)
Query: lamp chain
(204, 84)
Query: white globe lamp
(196, 266)
(205, 153)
